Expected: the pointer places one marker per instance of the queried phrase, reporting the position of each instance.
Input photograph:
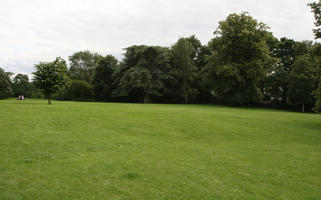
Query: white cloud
(40, 30)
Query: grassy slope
(75, 150)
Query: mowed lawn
(75, 150)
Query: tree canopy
(236, 64)
(143, 72)
(83, 64)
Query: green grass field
(74, 150)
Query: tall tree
(182, 54)
(103, 78)
(285, 52)
(236, 64)
(315, 57)
(5, 84)
(301, 82)
(316, 9)
(83, 64)
(199, 57)
(50, 76)
(143, 72)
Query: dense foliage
(143, 73)
(182, 59)
(236, 64)
(103, 78)
(243, 64)
(83, 64)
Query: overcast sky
(40, 30)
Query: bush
(81, 90)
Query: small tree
(301, 82)
(50, 76)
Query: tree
(199, 57)
(21, 85)
(301, 82)
(103, 78)
(143, 72)
(5, 84)
(83, 64)
(182, 54)
(316, 9)
(315, 57)
(285, 51)
(235, 67)
(50, 76)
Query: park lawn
(77, 150)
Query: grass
(73, 150)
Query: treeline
(244, 64)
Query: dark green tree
(50, 76)
(315, 57)
(21, 85)
(285, 53)
(301, 82)
(5, 84)
(103, 78)
(143, 72)
(316, 9)
(199, 57)
(83, 64)
(186, 72)
(235, 67)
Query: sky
(41, 30)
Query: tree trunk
(146, 99)
(303, 107)
(186, 98)
(284, 95)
